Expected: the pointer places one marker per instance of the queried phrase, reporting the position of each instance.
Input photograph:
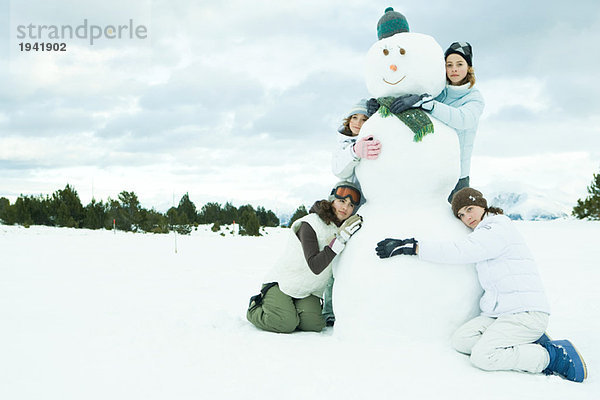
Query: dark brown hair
(324, 209)
(494, 210)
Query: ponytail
(494, 210)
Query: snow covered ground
(96, 315)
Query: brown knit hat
(467, 197)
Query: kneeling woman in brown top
(292, 298)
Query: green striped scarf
(415, 118)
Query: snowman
(406, 190)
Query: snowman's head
(405, 63)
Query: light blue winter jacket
(505, 266)
(460, 108)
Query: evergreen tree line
(64, 208)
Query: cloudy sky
(239, 101)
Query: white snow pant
(504, 343)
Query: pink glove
(368, 148)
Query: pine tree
(210, 213)
(95, 215)
(187, 207)
(23, 211)
(33, 210)
(249, 224)
(153, 221)
(113, 213)
(41, 210)
(590, 206)
(178, 222)
(63, 216)
(267, 217)
(130, 213)
(272, 219)
(299, 213)
(7, 212)
(229, 213)
(67, 208)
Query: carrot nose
(393, 67)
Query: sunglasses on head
(341, 192)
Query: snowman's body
(406, 190)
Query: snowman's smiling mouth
(394, 83)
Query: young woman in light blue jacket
(459, 105)
(509, 332)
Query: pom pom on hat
(390, 23)
(467, 197)
(463, 49)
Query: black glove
(404, 102)
(461, 184)
(392, 247)
(372, 106)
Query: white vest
(292, 272)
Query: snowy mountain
(529, 206)
(284, 217)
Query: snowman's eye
(402, 51)
(386, 52)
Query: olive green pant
(281, 313)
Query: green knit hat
(467, 197)
(390, 23)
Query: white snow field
(96, 315)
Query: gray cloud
(304, 111)
(263, 85)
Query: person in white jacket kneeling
(509, 332)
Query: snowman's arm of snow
(463, 117)
(317, 260)
(483, 244)
(344, 160)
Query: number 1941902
(43, 46)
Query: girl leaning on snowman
(459, 105)
(291, 300)
(509, 332)
(346, 156)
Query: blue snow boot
(565, 361)
(543, 339)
